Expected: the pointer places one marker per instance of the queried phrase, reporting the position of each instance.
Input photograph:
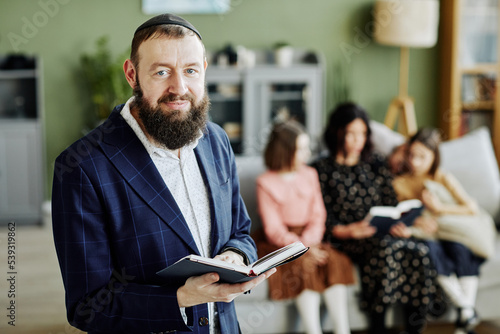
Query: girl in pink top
(292, 209)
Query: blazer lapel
(128, 155)
(210, 175)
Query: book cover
(195, 265)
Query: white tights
(461, 291)
(308, 305)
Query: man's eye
(161, 73)
(191, 71)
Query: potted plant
(283, 54)
(104, 79)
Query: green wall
(61, 30)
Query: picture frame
(154, 7)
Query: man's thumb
(210, 278)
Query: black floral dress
(391, 269)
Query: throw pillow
(384, 139)
(477, 232)
(472, 161)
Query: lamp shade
(411, 23)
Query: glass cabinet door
(18, 96)
(279, 94)
(246, 101)
(287, 101)
(226, 105)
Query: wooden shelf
(479, 105)
(480, 69)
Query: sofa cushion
(384, 140)
(249, 167)
(472, 161)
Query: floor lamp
(405, 23)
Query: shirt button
(203, 321)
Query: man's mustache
(173, 97)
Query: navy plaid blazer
(116, 224)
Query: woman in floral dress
(353, 179)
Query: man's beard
(173, 129)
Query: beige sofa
(470, 159)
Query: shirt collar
(151, 148)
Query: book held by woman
(383, 217)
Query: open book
(195, 265)
(383, 217)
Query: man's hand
(205, 288)
(231, 257)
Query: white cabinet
(245, 101)
(21, 147)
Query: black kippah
(167, 19)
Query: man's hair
(334, 135)
(430, 138)
(165, 30)
(282, 145)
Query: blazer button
(203, 321)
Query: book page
(278, 256)
(407, 205)
(395, 212)
(385, 211)
(219, 263)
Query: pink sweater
(291, 202)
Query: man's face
(169, 85)
(175, 68)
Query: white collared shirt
(181, 173)
(184, 180)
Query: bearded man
(154, 183)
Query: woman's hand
(357, 230)
(400, 230)
(427, 224)
(318, 255)
(431, 202)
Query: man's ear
(205, 63)
(130, 73)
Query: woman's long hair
(281, 147)
(334, 135)
(430, 138)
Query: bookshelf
(469, 31)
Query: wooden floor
(39, 295)
(483, 328)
